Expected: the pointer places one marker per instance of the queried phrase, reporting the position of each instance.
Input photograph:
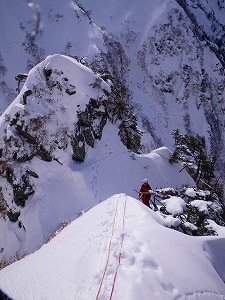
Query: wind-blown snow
(120, 235)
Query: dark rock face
(47, 73)
(3, 296)
(13, 215)
(89, 128)
(78, 146)
(25, 95)
(22, 190)
(71, 90)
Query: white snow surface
(119, 250)
(175, 205)
(201, 205)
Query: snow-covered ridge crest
(45, 94)
(84, 260)
(54, 93)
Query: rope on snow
(120, 254)
(109, 251)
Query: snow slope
(120, 250)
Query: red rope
(109, 249)
(120, 254)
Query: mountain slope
(169, 54)
(119, 250)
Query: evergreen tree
(191, 151)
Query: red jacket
(143, 193)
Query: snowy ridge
(151, 265)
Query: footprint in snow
(201, 295)
(150, 263)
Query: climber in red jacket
(145, 194)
